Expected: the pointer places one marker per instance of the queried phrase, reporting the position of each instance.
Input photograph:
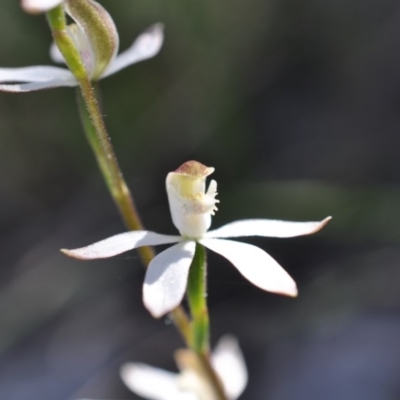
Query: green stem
(101, 145)
(196, 292)
(58, 25)
(197, 299)
(212, 377)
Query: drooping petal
(255, 265)
(120, 243)
(229, 363)
(39, 6)
(267, 228)
(153, 383)
(147, 45)
(38, 73)
(166, 278)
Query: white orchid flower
(157, 384)
(191, 209)
(98, 46)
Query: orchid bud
(191, 206)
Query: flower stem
(95, 128)
(197, 299)
(212, 377)
(101, 145)
(196, 292)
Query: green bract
(99, 30)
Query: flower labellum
(156, 384)
(191, 206)
(191, 210)
(96, 38)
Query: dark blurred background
(297, 106)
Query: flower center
(191, 206)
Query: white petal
(149, 382)
(147, 45)
(38, 78)
(118, 244)
(166, 278)
(33, 87)
(37, 73)
(37, 6)
(267, 228)
(255, 265)
(229, 363)
(153, 383)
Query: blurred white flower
(157, 384)
(97, 42)
(191, 208)
(39, 6)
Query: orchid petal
(120, 243)
(166, 278)
(33, 87)
(153, 383)
(35, 74)
(147, 45)
(255, 265)
(228, 361)
(38, 6)
(267, 228)
(38, 78)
